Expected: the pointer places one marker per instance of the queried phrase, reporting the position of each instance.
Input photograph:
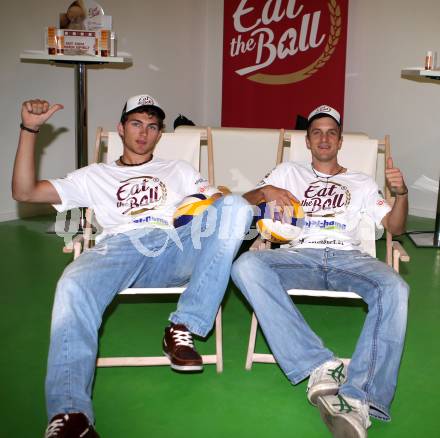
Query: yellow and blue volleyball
(278, 231)
(190, 207)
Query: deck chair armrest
(400, 252)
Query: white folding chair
(359, 153)
(184, 146)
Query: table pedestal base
(423, 239)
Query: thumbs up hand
(36, 112)
(394, 178)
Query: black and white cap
(324, 111)
(142, 100)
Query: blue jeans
(264, 276)
(201, 252)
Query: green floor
(156, 402)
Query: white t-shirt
(333, 205)
(128, 197)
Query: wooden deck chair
(359, 153)
(185, 146)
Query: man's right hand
(278, 200)
(278, 196)
(36, 112)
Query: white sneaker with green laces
(345, 417)
(327, 379)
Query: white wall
(177, 50)
(175, 47)
(384, 36)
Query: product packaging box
(80, 42)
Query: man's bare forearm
(396, 218)
(270, 193)
(254, 197)
(23, 177)
(25, 186)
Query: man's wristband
(25, 128)
(402, 194)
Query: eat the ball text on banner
(282, 58)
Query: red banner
(282, 58)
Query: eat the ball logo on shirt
(327, 198)
(139, 194)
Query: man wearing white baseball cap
(134, 199)
(324, 111)
(326, 256)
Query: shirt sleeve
(274, 177)
(375, 205)
(194, 182)
(72, 190)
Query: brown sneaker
(74, 425)
(178, 346)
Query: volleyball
(278, 231)
(190, 207)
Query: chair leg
(251, 345)
(219, 340)
(389, 251)
(396, 260)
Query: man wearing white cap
(325, 256)
(134, 199)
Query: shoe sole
(339, 424)
(183, 367)
(320, 392)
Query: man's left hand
(395, 179)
